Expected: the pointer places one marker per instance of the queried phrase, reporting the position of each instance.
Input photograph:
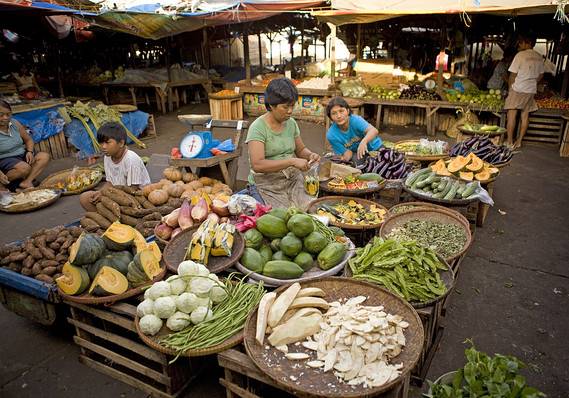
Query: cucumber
(415, 176)
(421, 178)
(370, 177)
(427, 181)
(452, 192)
(434, 185)
(442, 185)
(461, 189)
(469, 190)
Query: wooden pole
(206, 51)
(260, 52)
(565, 83)
(333, 54)
(229, 44)
(291, 45)
(359, 42)
(302, 45)
(247, 60)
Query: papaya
(332, 255)
(253, 238)
(266, 253)
(74, 281)
(315, 242)
(290, 245)
(252, 260)
(271, 227)
(304, 260)
(279, 212)
(280, 256)
(86, 249)
(282, 270)
(275, 245)
(301, 225)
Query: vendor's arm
(261, 165)
(512, 79)
(303, 152)
(370, 133)
(28, 142)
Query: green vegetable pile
(446, 239)
(486, 376)
(228, 318)
(404, 268)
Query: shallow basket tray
(427, 205)
(414, 156)
(352, 192)
(27, 207)
(313, 273)
(224, 97)
(500, 131)
(433, 214)
(332, 200)
(492, 179)
(86, 298)
(175, 252)
(54, 178)
(313, 382)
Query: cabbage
(145, 308)
(187, 302)
(177, 284)
(159, 289)
(178, 321)
(217, 293)
(200, 286)
(201, 314)
(191, 268)
(203, 301)
(164, 307)
(150, 324)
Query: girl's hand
(362, 149)
(301, 164)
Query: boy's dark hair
(112, 130)
(280, 91)
(337, 101)
(528, 37)
(5, 104)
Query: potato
(54, 246)
(49, 270)
(47, 253)
(48, 263)
(17, 256)
(50, 236)
(44, 278)
(61, 258)
(39, 232)
(36, 269)
(66, 244)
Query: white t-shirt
(129, 171)
(528, 65)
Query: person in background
(526, 71)
(17, 158)
(500, 78)
(350, 136)
(277, 155)
(26, 83)
(122, 166)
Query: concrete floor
(511, 297)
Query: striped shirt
(129, 171)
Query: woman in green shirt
(277, 155)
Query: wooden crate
(56, 146)
(545, 126)
(431, 317)
(110, 345)
(226, 109)
(243, 379)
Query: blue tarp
(77, 135)
(42, 123)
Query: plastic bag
(226, 146)
(311, 181)
(242, 204)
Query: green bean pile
(404, 268)
(323, 229)
(228, 318)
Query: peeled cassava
(185, 216)
(200, 211)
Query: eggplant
(383, 169)
(377, 167)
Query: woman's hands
(314, 158)
(3, 179)
(301, 164)
(29, 157)
(362, 149)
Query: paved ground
(512, 294)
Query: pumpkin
(74, 281)
(147, 189)
(206, 181)
(207, 189)
(116, 260)
(135, 276)
(195, 185)
(172, 173)
(483, 175)
(439, 165)
(457, 164)
(146, 262)
(476, 164)
(188, 177)
(165, 182)
(118, 236)
(466, 175)
(140, 244)
(108, 281)
(175, 191)
(493, 170)
(158, 197)
(86, 249)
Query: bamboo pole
(247, 60)
(333, 54)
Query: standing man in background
(526, 71)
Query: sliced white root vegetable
(283, 348)
(295, 330)
(311, 292)
(295, 356)
(316, 302)
(281, 304)
(315, 364)
(262, 314)
(311, 345)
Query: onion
(163, 231)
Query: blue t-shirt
(341, 141)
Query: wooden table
(38, 105)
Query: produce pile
(199, 310)
(26, 198)
(42, 256)
(482, 128)
(355, 182)
(552, 103)
(486, 376)
(427, 182)
(468, 168)
(388, 163)
(491, 99)
(77, 180)
(353, 87)
(404, 268)
(384, 93)
(226, 93)
(422, 147)
(353, 341)
(484, 149)
(109, 264)
(212, 237)
(419, 93)
(445, 239)
(287, 243)
(353, 213)
(318, 83)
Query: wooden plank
(225, 174)
(539, 139)
(121, 360)
(545, 126)
(543, 133)
(234, 388)
(124, 309)
(137, 348)
(107, 316)
(121, 376)
(242, 364)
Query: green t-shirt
(278, 145)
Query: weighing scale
(197, 145)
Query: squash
(483, 175)
(195, 185)
(457, 164)
(147, 189)
(466, 175)
(118, 236)
(108, 281)
(86, 249)
(476, 164)
(175, 190)
(135, 276)
(206, 181)
(116, 260)
(492, 170)
(147, 263)
(188, 177)
(140, 244)
(158, 197)
(172, 173)
(164, 182)
(74, 281)
(439, 165)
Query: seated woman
(26, 83)
(350, 135)
(17, 158)
(277, 154)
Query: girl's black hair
(5, 104)
(280, 91)
(112, 130)
(337, 101)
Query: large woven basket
(53, 179)
(27, 207)
(332, 200)
(309, 382)
(324, 186)
(425, 205)
(418, 157)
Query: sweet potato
(88, 224)
(6, 260)
(155, 216)
(54, 246)
(39, 232)
(129, 220)
(47, 253)
(60, 267)
(26, 271)
(39, 241)
(127, 189)
(48, 263)
(44, 278)
(129, 211)
(110, 204)
(28, 261)
(51, 235)
(60, 239)
(17, 256)
(75, 231)
(61, 258)
(49, 271)
(36, 269)
(144, 202)
(30, 248)
(99, 219)
(122, 198)
(66, 244)
(109, 215)
(16, 267)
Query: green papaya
(301, 225)
(304, 260)
(253, 238)
(266, 253)
(280, 256)
(282, 270)
(279, 212)
(332, 255)
(252, 260)
(275, 245)
(315, 242)
(271, 227)
(290, 245)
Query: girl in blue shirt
(350, 134)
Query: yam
(50, 236)
(48, 263)
(61, 258)
(75, 231)
(165, 210)
(36, 269)
(44, 278)
(144, 202)
(88, 224)
(103, 211)
(26, 271)
(129, 211)
(49, 271)
(150, 224)
(28, 261)
(99, 219)
(127, 189)
(110, 204)
(129, 220)
(175, 202)
(47, 253)
(155, 216)
(122, 198)
(54, 246)
(17, 256)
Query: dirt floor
(511, 297)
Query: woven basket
(315, 383)
(53, 179)
(501, 131)
(417, 157)
(332, 200)
(352, 192)
(429, 198)
(492, 179)
(27, 207)
(427, 205)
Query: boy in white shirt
(122, 166)
(526, 71)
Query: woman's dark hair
(337, 101)
(5, 104)
(280, 91)
(111, 130)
